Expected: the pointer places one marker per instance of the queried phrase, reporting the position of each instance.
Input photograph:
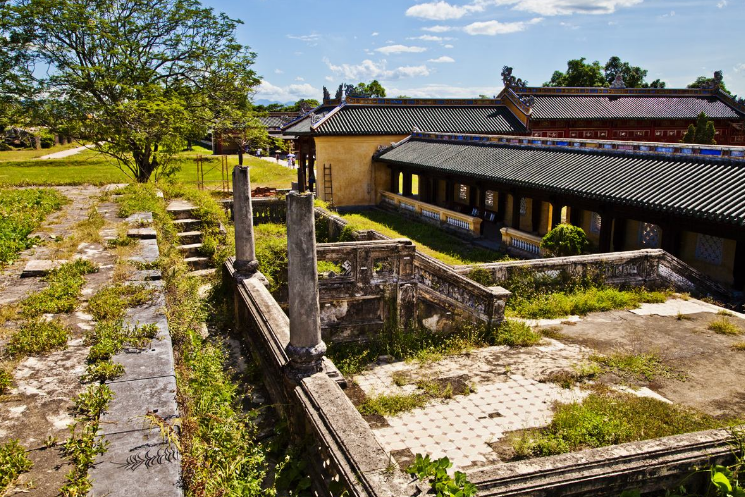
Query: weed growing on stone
(646, 366)
(21, 212)
(610, 418)
(442, 483)
(515, 334)
(102, 371)
(724, 326)
(36, 337)
(87, 230)
(81, 450)
(6, 381)
(683, 317)
(390, 405)
(553, 332)
(739, 346)
(61, 295)
(13, 462)
(725, 312)
(580, 372)
(91, 403)
(111, 302)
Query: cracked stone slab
(135, 399)
(145, 275)
(142, 233)
(149, 252)
(40, 267)
(153, 361)
(142, 457)
(140, 218)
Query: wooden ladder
(328, 190)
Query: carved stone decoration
(339, 92)
(516, 84)
(715, 83)
(528, 100)
(618, 82)
(314, 118)
(326, 95)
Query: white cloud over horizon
(493, 28)
(391, 49)
(445, 91)
(288, 93)
(368, 70)
(443, 11)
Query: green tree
(579, 74)
(565, 240)
(704, 82)
(135, 77)
(309, 103)
(373, 88)
(702, 132)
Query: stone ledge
(40, 267)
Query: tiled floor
(462, 427)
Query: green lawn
(429, 239)
(89, 167)
(27, 154)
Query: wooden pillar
(535, 215)
(406, 190)
(423, 188)
(575, 218)
(394, 180)
(515, 211)
(606, 231)
(555, 214)
(738, 271)
(434, 190)
(482, 198)
(473, 196)
(619, 234)
(449, 191)
(301, 171)
(501, 205)
(311, 174)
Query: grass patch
(61, 295)
(271, 252)
(13, 462)
(609, 419)
(724, 326)
(579, 373)
(430, 240)
(6, 381)
(553, 332)
(638, 366)
(21, 212)
(102, 371)
(516, 334)
(739, 346)
(37, 337)
(111, 302)
(390, 405)
(87, 230)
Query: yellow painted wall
(585, 218)
(545, 222)
(526, 220)
(508, 211)
(355, 180)
(721, 272)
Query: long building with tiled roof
(688, 200)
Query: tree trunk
(240, 156)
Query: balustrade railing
(526, 243)
(432, 212)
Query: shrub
(6, 380)
(13, 462)
(565, 240)
(37, 337)
(481, 276)
(516, 334)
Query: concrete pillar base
(304, 361)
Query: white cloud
(299, 78)
(722, 4)
(670, 14)
(739, 67)
(438, 29)
(568, 25)
(448, 46)
(367, 69)
(329, 78)
(268, 91)
(443, 59)
(493, 28)
(311, 39)
(444, 91)
(374, 33)
(400, 49)
(278, 71)
(442, 11)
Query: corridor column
(245, 253)
(306, 349)
(606, 232)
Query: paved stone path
(280, 162)
(65, 153)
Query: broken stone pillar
(245, 253)
(306, 349)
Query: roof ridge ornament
(618, 83)
(715, 83)
(510, 81)
(326, 95)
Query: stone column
(306, 349)
(245, 254)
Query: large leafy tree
(134, 76)
(581, 73)
(704, 82)
(373, 89)
(15, 68)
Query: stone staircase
(190, 236)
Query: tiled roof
(303, 123)
(690, 186)
(401, 120)
(630, 107)
(271, 121)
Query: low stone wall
(340, 446)
(649, 267)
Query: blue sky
(456, 48)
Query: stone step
(188, 224)
(198, 263)
(190, 249)
(180, 209)
(186, 237)
(203, 272)
(142, 233)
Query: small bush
(390, 405)
(61, 295)
(723, 326)
(516, 334)
(93, 401)
(37, 337)
(640, 366)
(481, 276)
(13, 462)
(565, 240)
(103, 371)
(6, 381)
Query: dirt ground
(714, 372)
